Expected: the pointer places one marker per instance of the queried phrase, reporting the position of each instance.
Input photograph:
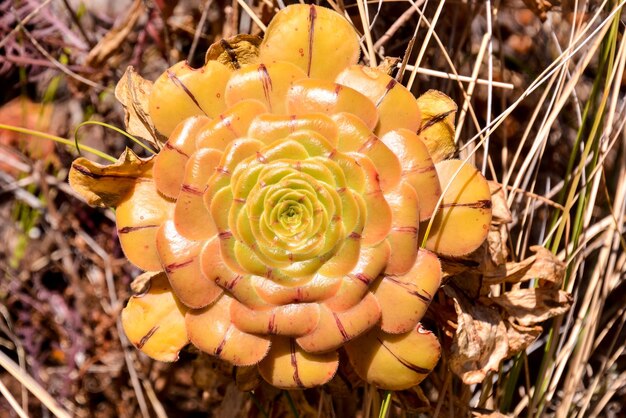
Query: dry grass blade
(33, 387)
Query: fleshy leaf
(404, 204)
(287, 366)
(394, 362)
(319, 41)
(180, 258)
(294, 319)
(404, 299)
(138, 219)
(317, 96)
(169, 164)
(212, 331)
(417, 168)
(336, 328)
(191, 216)
(397, 107)
(155, 321)
(267, 83)
(236, 51)
(182, 91)
(437, 128)
(466, 202)
(107, 185)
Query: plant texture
(296, 207)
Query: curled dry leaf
(133, 91)
(480, 342)
(543, 266)
(535, 305)
(108, 185)
(521, 337)
(236, 51)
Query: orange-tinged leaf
(336, 328)
(355, 136)
(266, 83)
(437, 128)
(180, 258)
(230, 125)
(155, 321)
(371, 263)
(236, 51)
(182, 91)
(312, 289)
(404, 204)
(138, 219)
(169, 164)
(268, 127)
(294, 319)
(211, 330)
(404, 299)
(287, 366)
(318, 96)
(397, 107)
(307, 36)
(192, 218)
(378, 218)
(394, 362)
(417, 168)
(466, 202)
(108, 185)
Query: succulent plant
(282, 219)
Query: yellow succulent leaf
(294, 319)
(319, 96)
(154, 322)
(169, 163)
(138, 219)
(336, 328)
(316, 39)
(397, 107)
(182, 91)
(107, 185)
(191, 216)
(394, 362)
(462, 222)
(236, 51)
(288, 366)
(437, 128)
(417, 167)
(211, 330)
(266, 83)
(180, 259)
(268, 127)
(404, 204)
(405, 298)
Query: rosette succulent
(282, 219)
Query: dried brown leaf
(133, 92)
(236, 51)
(480, 342)
(111, 42)
(499, 208)
(521, 337)
(532, 306)
(108, 185)
(543, 266)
